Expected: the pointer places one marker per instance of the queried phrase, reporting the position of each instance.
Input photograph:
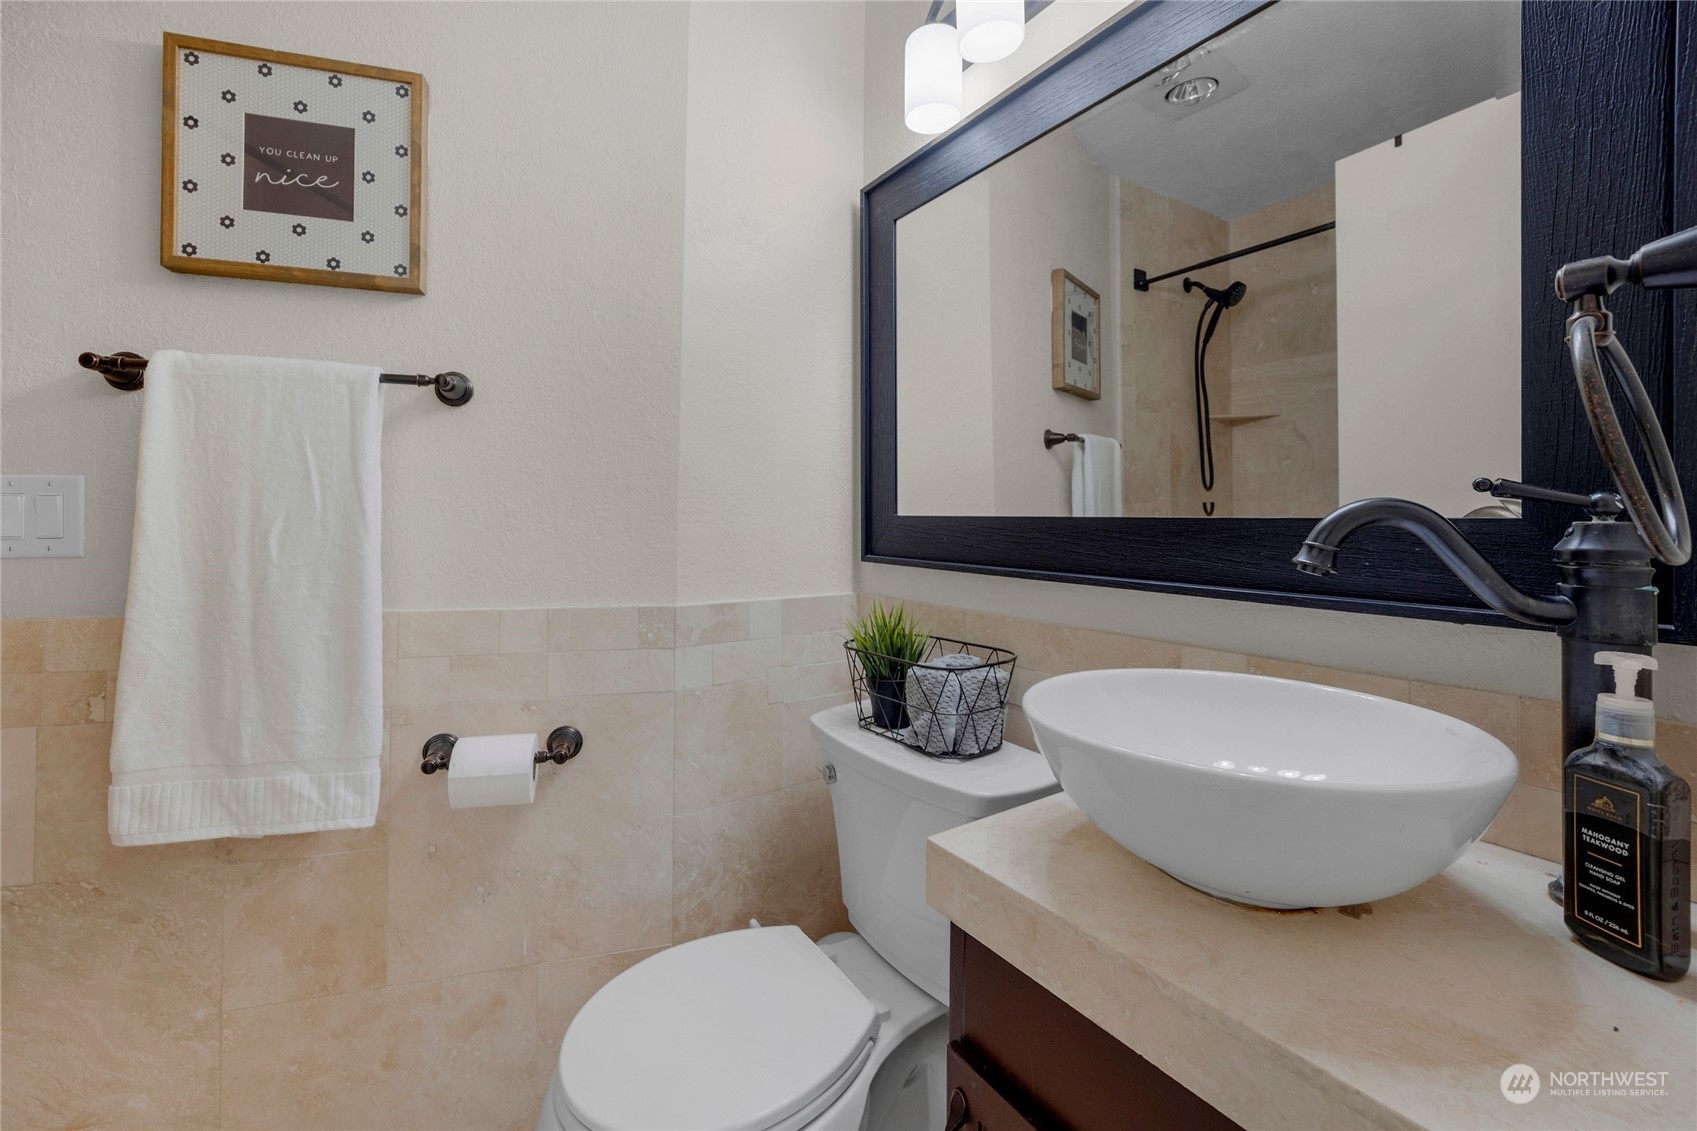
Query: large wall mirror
(1226, 266)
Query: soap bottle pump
(1627, 840)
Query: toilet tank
(887, 799)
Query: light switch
(50, 516)
(41, 516)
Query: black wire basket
(952, 703)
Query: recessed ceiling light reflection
(1290, 773)
(1224, 764)
(1313, 777)
(1257, 769)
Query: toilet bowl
(765, 1030)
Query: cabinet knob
(957, 1111)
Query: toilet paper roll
(494, 769)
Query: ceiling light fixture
(932, 79)
(989, 29)
(1188, 92)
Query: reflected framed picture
(1076, 337)
(291, 167)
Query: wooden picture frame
(236, 122)
(1067, 338)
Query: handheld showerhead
(1227, 298)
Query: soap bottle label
(1606, 827)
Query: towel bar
(564, 743)
(1052, 438)
(124, 371)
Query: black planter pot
(889, 703)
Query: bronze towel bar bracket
(125, 370)
(564, 743)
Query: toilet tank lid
(974, 788)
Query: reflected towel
(250, 686)
(1096, 477)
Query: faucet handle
(1602, 505)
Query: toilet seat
(753, 1030)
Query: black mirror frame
(1638, 184)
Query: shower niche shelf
(1240, 417)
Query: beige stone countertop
(1402, 1014)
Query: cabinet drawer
(975, 1104)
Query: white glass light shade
(989, 29)
(931, 83)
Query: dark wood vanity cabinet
(1020, 1058)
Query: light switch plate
(43, 516)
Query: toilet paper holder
(564, 743)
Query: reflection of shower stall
(1261, 472)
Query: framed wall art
(291, 168)
(1076, 337)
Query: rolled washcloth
(956, 705)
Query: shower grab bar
(1141, 279)
(124, 371)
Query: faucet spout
(1320, 551)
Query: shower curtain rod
(1140, 279)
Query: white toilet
(764, 1030)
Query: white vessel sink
(1270, 791)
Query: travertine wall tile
(111, 1000)
(524, 630)
(304, 928)
(570, 673)
(1207, 659)
(21, 643)
(642, 669)
(1490, 711)
(415, 681)
(70, 698)
(1530, 822)
(1540, 748)
(1386, 687)
(20, 699)
(472, 678)
(712, 624)
(380, 1058)
(17, 806)
(82, 644)
(816, 614)
(693, 666)
(746, 659)
(562, 988)
(577, 630)
(456, 633)
(772, 857)
(729, 745)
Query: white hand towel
(1096, 477)
(250, 686)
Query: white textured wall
(1049, 208)
(1493, 659)
(765, 447)
(944, 400)
(555, 241)
(1444, 206)
(609, 326)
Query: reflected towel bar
(1052, 438)
(125, 370)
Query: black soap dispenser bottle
(1627, 846)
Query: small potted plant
(888, 642)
